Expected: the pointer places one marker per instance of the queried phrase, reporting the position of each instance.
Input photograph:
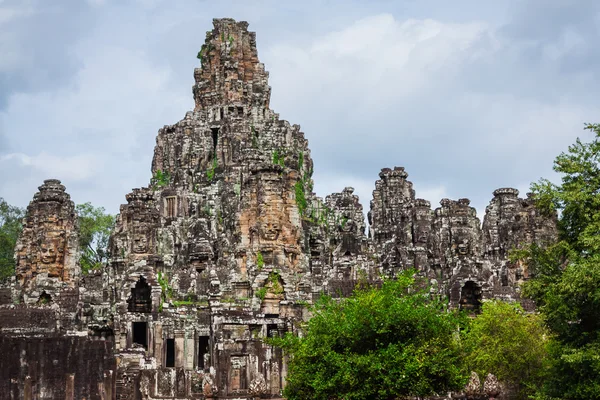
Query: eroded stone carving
(47, 249)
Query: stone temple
(226, 246)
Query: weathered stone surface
(46, 251)
(228, 245)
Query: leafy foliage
(166, 290)
(261, 293)
(507, 342)
(210, 173)
(276, 287)
(95, 226)
(260, 261)
(566, 285)
(160, 179)
(202, 53)
(379, 344)
(278, 158)
(10, 227)
(300, 197)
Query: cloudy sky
(467, 95)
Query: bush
(378, 344)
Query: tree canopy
(10, 226)
(506, 341)
(566, 283)
(95, 226)
(378, 344)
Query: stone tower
(46, 252)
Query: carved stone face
(269, 227)
(140, 243)
(463, 247)
(422, 232)
(48, 252)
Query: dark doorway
(140, 299)
(170, 356)
(215, 138)
(202, 350)
(272, 330)
(470, 297)
(45, 298)
(140, 333)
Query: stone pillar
(106, 387)
(179, 349)
(27, 390)
(159, 350)
(70, 387)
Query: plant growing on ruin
(261, 293)
(278, 158)
(160, 179)
(343, 221)
(230, 40)
(300, 197)
(202, 53)
(10, 227)
(210, 173)
(219, 218)
(167, 290)
(300, 161)
(276, 287)
(379, 344)
(260, 262)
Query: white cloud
(74, 168)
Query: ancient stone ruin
(228, 245)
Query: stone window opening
(238, 380)
(470, 297)
(140, 299)
(171, 207)
(45, 298)
(203, 349)
(140, 334)
(170, 353)
(215, 138)
(272, 330)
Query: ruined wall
(226, 246)
(466, 260)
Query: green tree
(95, 226)
(10, 227)
(566, 283)
(378, 344)
(509, 343)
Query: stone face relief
(228, 245)
(46, 252)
